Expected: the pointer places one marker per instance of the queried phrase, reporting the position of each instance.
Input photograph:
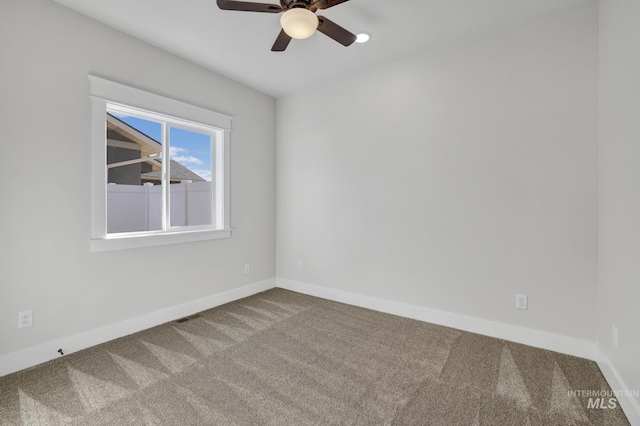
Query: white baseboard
(536, 338)
(527, 336)
(35, 355)
(630, 404)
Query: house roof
(178, 172)
(119, 131)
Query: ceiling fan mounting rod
(291, 4)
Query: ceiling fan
(299, 19)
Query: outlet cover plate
(522, 301)
(25, 318)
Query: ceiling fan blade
(335, 31)
(281, 42)
(246, 6)
(326, 4)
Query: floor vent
(185, 319)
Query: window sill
(151, 240)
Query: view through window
(145, 192)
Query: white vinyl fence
(135, 208)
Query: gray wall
(453, 179)
(450, 179)
(619, 145)
(46, 54)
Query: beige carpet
(282, 358)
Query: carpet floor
(282, 358)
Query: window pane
(191, 183)
(134, 170)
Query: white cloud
(175, 150)
(204, 174)
(187, 159)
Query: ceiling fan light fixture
(299, 23)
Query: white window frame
(105, 93)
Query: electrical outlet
(521, 301)
(25, 318)
(614, 335)
(247, 268)
(299, 266)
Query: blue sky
(189, 148)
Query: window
(160, 169)
(146, 193)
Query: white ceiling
(237, 44)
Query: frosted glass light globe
(299, 23)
